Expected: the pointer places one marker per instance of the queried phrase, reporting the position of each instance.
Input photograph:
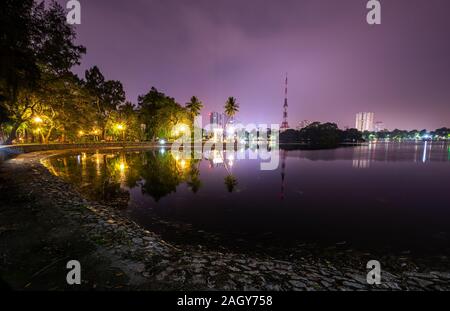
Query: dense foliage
(328, 135)
(321, 135)
(42, 101)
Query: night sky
(338, 65)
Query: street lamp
(121, 128)
(37, 120)
(180, 129)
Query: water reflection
(420, 152)
(310, 190)
(158, 173)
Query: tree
(326, 135)
(36, 43)
(231, 108)
(108, 96)
(194, 106)
(351, 136)
(161, 113)
(290, 136)
(443, 133)
(127, 117)
(62, 105)
(399, 134)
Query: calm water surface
(380, 195)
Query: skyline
(337, 64)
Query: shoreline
(51, 217)
(10, 151)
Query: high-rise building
(364, 121)
(379, 126)
(303, 124)
(216, 119)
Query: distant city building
(303, 124)
(216, 123)
(364, 121)
(216, 119)
(379, 126)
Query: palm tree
(194, 106)
(231, 107)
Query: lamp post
(121, 128)
(38, 121)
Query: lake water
(383, 195)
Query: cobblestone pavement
(116, 253)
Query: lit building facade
(216, 125)
(216, 119)
(364, 121)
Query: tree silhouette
(194, 106)
(231, 107)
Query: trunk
(47, 137)
(13, 134)
(103, 133)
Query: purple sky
(337, 64)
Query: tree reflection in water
(162, 173)
(110, 176)
(230, 183)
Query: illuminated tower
(285, 124)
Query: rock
(357, 278)
(441, 275)
(198, 279)
(353, 285)
(231, 268)
(297, 284)
(427, 276)
(137, 240)
(422, 283)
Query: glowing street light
(121, 128)
(122, 167)
(180, 128)
(37, 120)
